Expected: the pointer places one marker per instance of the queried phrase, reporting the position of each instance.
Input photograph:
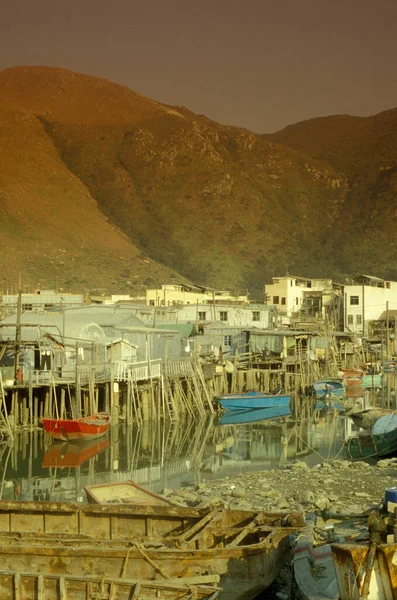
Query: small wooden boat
(329, 387)
(372, 381)
(313, 568)
(37, 586)
(152, 543)
(124, 492)
(72, 454)
(84, 428)
(382, 440)
(252, 400)
(389, 366)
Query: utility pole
(18, 337)
(387, 331)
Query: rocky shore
(339, 486)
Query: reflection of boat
(38, 586)
(123, 492)
(251, 415)
(155, 542)
(85, 428)
(328, 387)
(69, 454)
(252, 400)
(382, 440)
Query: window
(354, 300)
(223, 315)
(296, 301)
(256, 315)
(48, 306)
(276, 300)
(350, 319)
(151, 302)
(359, 319)
(202, 316)
(27, 307)
(227, 340)
(283, 301)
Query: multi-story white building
(290, 294)
(366, 299)
(182, 294)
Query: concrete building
(365, 300)
(301, 298)
(40, 301)
(182, 294)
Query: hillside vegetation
(102, 189)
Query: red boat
(85, 428)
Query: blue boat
(329, 387)
(252, 400)
(236, 417)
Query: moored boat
(84, 428)
(252, 400)
(313, 567)
(245, 548)
(328, 387)
(382, 440)
(123, 492)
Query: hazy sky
(260, 64)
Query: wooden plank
(40, 588)
(63, 592)
(17, 586)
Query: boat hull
(367, 446)
(37, 586)
(146, 543)
(86, 428)
(245, 401)
(350, 562)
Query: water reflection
(165, 454)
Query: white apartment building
(171, 295)
(366, 299)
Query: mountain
(104, 189)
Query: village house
(40, 301)
(365, 299)
(182, 294)
(299, 299)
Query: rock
(341, 464)
(238, 493)
(307, 497)
(361, 495)
(300, 466)
(322, 502)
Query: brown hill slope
(365, 151)
(219, 205)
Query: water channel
(160, 455)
